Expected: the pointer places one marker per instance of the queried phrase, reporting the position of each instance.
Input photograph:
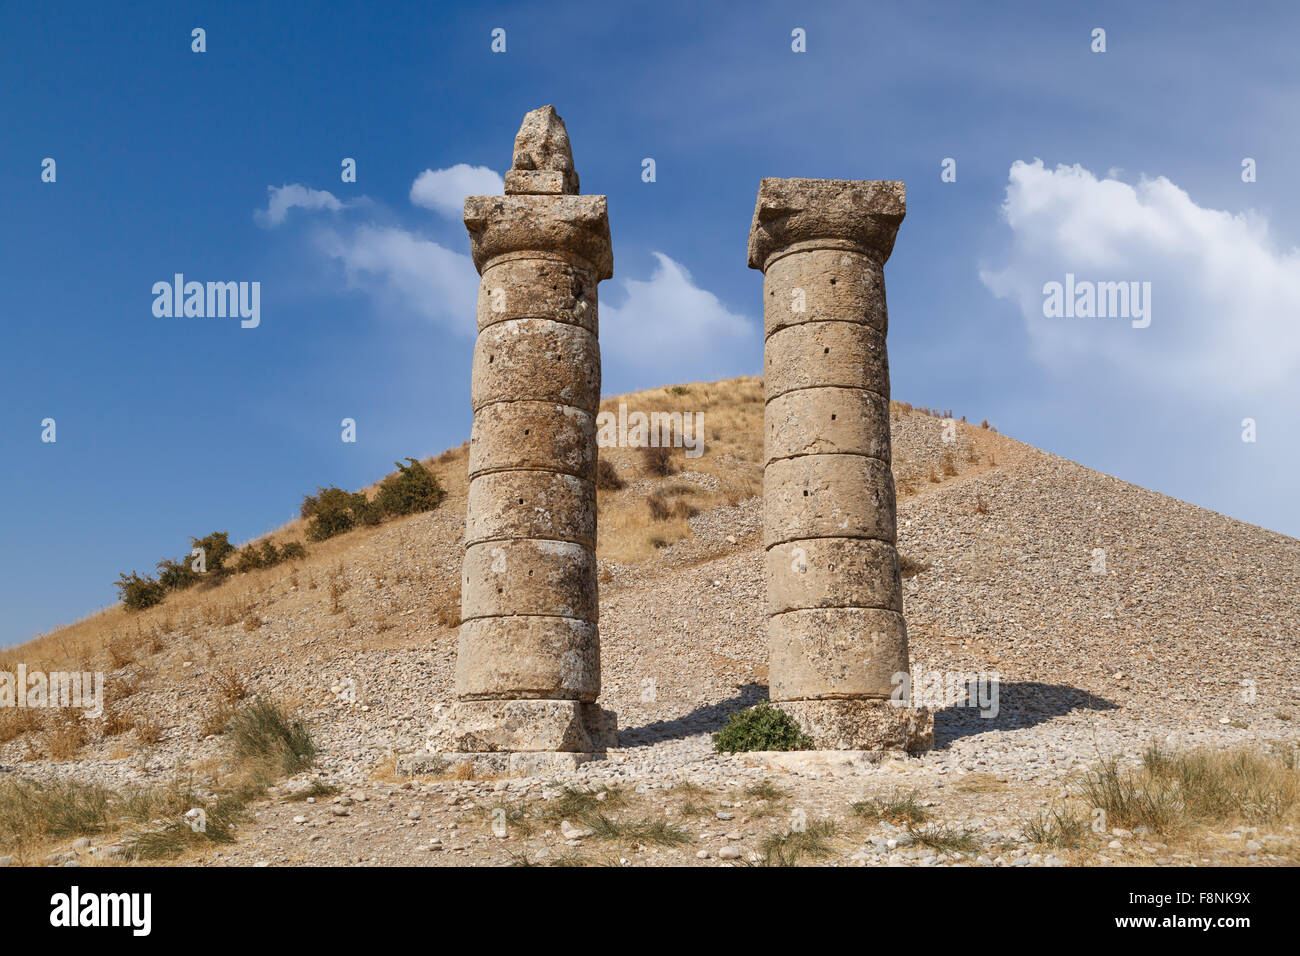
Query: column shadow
(701, 720)
(1020, 704)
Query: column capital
(854, 213)
(556, 224)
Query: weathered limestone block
(502, 578)
(533, 435)
(824, 285)
(531, 504)
(838, 354)
(536, 182)
(503, 763)
(827, 496)
(575, 226)
(859, 724)
(524, 284)
(833, 572)
(543, 156)
(835, 652)
(488, 726)
(824, 421)
(538, 360)
(528, 657)
(857, 213)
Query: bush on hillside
(333, 511)
(216, 549)
(138, 593)
(251, 557)
(176, 575)
(292, 551)
(410, 489)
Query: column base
(473, 766)
(862, 724)
(522, 726)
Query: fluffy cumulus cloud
(444, 190)
(280, 199)
(1224, 298)
(669, 325)
(406, 272)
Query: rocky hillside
(1114, 617)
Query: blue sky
(171, 427)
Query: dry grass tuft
(1172, 793)
(66, 735)
(229, 685)
(658, 461)
(16, 721)
(898, 809)
(910, 567)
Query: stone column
(836, 635)
(528, 666)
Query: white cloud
(407, 272)
(1224, 299)
(295, 195)
(670, 325)
(444, 190)
(665, 327)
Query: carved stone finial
(543, 160)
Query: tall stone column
(528, 665)
(836, 635)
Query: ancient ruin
(836, 633)
(528, 664)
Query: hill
(1114, 617)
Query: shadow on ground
(701, 720)
(1020, 704)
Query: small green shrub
(292, 551)
(763, 727)
(410, 489)
(138, 593)
(176, 575)
(216, 549)
(333, 511)
(249, 558)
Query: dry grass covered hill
(1183, 633)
